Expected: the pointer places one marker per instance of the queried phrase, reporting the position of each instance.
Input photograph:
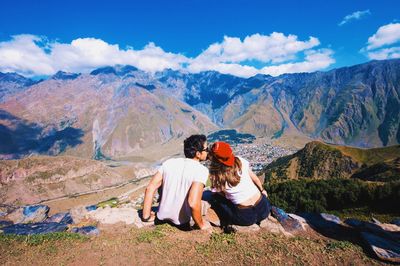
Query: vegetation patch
(217, 243)
(231, 136)
(113, 202)
(149, 236)
(34, 240)
(334, 194)
(338, 245)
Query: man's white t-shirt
(178, 175)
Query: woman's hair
(222, 175)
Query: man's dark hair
(193, 144)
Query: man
(182, 181)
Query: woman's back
(245, 189)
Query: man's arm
(155, 183)
(195, 194)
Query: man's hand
(149, 219)
(206, 226)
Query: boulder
(246, 229)
(29, 214)
(301, 220)
(5, 223)
(288, 223)
(272, 225)
(62, 217)
(86, 230)
(325, 223)
(110, 215)
(383, 248)
(34, 228)
(78, 213)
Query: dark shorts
(229, 213)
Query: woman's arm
(257, 182)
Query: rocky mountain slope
(12, 83)
(319, 160)
(97, 115)
(35, 179)
(121, 111)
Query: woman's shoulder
(243, 160)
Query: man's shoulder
(173, 161)
(198, 165)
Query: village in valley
(260, 155)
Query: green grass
(34, 240)
(153, 235)
(338, 245)
(371, 156)
(113, 202)
(217, 243)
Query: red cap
(223, 153)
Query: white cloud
(314, 60)
(384, 44)
(25, 55)
(22, 54)
(276, 49)
(354, 16)
(386, 35)
(387, 53)
(32, 55)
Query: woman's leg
(224, 208)
(262, 209)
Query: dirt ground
(125, 245)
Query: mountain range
(123, 112)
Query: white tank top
(246, 187)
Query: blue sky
(236, 37)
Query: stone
(62, 217)
(385, 249)
(301, 220)
(204, 207)
(272, 225)
(110, 215)
(34, 228)
(288, 223)
(29, 214)
(212, 217)
(331, 218)
(79, 213)
(86, 230)
(246, 229)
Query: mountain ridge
(357, 105)
(318, 160)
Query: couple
(238, 197)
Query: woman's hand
(264, 192)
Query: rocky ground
(121, 244)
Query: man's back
(178, 176)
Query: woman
(240, 197)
